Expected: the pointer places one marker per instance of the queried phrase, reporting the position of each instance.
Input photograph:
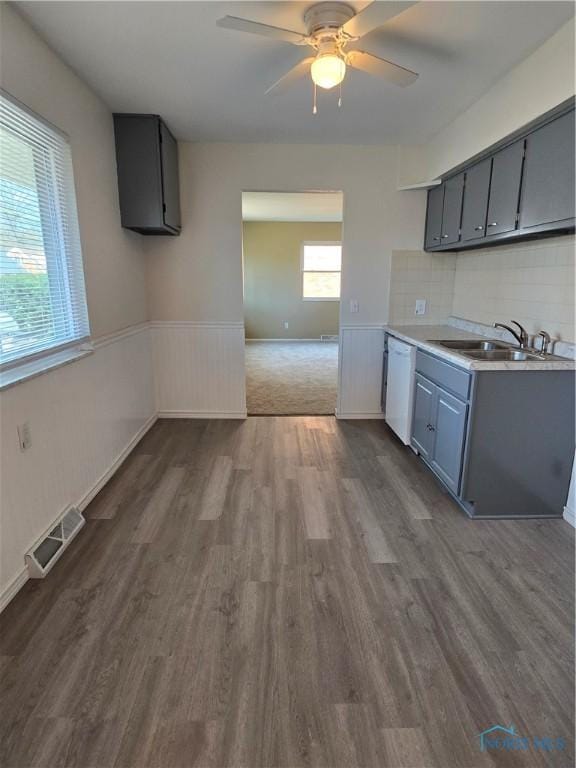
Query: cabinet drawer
(445, 375)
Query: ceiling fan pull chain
(340, 95)
(314, 108)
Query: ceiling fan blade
(374, 65)
(254, 27)
(373, 16)
(288, 79)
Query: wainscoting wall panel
(360, 373)
(84, 417)
(199, 369)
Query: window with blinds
(42, 294)
(321, 265)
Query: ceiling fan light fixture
(328, 70)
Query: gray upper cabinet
(548, 189)
(434, 216)
(521, 188)
(148, 185)
(452, 210)
(475, 206)
(505, 189)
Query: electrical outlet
(354, 306)
(24, 436)
(420, 308)
(286, 325)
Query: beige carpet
(291, 377)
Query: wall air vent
(44, 554)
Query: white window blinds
(42, 294)
(321, 265)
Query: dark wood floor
(289, 592)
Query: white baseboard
(13, 588)
(570, 516)
(202, 414)
(116, 464)
(371, 415)
(21, 578)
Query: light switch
(420, 308)
(354, 306)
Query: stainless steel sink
(504, 354)
(509, 354)
(462, 344)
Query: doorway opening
(292, 261)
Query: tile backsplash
(530, 282)
(420, 275)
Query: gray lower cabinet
(439, 429)
(422, 435)
(449, 425)
(502, 442)
(548, 189)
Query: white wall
(198, 276)
(113, 263)
(85, 415)
(540, 82)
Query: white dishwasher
(400, 387)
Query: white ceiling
(208, 83)
(292, 206)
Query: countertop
(421, 336)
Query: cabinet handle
(429, 427)
(493, 224)
(444, 236)
(435, 238)
(478, 229)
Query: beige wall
(113, 258)
(530, 282)
(540, 82)
(273, 281)
(420, 275)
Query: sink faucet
(521, 336)
(545, 341)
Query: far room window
(321, 265)
(42, 294)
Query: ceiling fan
(330, 28)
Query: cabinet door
(170, 181)
(452, 211)
(476, 200)
(449, 424)
(505, 189)
(434, 217)
(548, 187)
(422, 435)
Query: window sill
(50, 362)
(320, 298)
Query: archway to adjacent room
(292, 258)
